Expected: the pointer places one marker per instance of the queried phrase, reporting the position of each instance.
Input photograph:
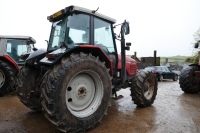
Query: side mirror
(126, 28)
(196, 45)
(128, 44)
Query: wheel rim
(176, 77)
(2, 78)
(84, 94)
(161, 78)
(149, 88)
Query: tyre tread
(51, 109)
(137, 88)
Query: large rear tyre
(144, 88)
(188, 81)
(76, 93)
(7, 79)
(28, 90)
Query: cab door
(104, 38)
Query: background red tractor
(13, 51)
(190, 77)
(73, 80)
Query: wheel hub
(2, 78)
(148, 89)
(82, 92)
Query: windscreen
(70, 30)
(15, 48)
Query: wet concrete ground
(172, 112)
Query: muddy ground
(172, 112)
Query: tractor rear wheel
(188, 81)
(27, 89)
(7, 79)
(76, 93)
(144, 88)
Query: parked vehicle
(163, 72)
(13, 52)
(73, 81)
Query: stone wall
(178, 66)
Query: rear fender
(8, 59)
(35, 57)
(195, 65)
(94, 50)
(197, 73)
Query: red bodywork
(197, 74)
(11, 61)
(100, 52)
(131, 65)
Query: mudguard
(94, 50)
(35, 57)
(195, 65)
(11, 61)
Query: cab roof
(72, 9)
(18, 37)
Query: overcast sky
(167, 26)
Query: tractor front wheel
(76, 93)
(144, 88)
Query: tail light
(155, 72)
(23, 57)
(51, 56)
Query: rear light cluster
(154, 71)
(23, 57)
(52, 56)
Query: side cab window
(103, 35)
(8, 48)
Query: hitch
(115, 93)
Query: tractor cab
(13, 52)
(79, 28)
(196, 45)
(16, 48)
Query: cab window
(103, 36)
(15, 48)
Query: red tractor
(190, 77)
(13, 50)
(74, 80)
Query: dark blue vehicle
(163, 72)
